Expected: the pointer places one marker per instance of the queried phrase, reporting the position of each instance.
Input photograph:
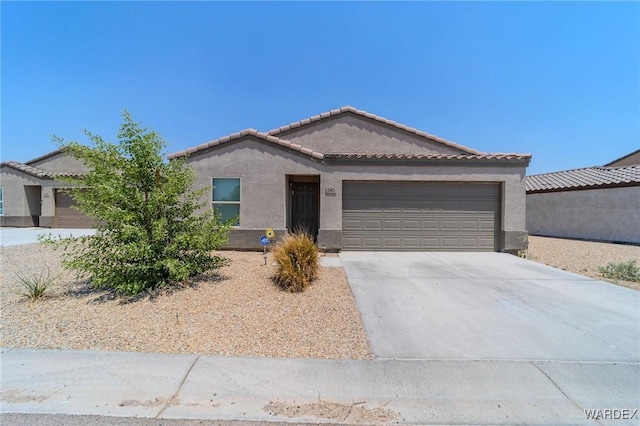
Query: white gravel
(239, 312)
(582, 257)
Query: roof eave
(584, 187)
(27, 170)
(521, 160)
(249, 134)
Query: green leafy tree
(152, 228)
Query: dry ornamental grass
(237, 312)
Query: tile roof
(248, 132)
(586, 178)
(25, 168)
(36, 172)
(454, 157)
(468, 154)
(346, 156)
(361, 113)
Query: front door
(304, 207)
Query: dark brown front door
(304, 207)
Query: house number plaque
(329, 191)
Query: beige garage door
(67, 216)
(420, 216)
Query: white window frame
(238, 203)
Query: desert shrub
(296, 256)
(153, 227)
(33, 287)
(625, 271)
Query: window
(1, 202)
(225, 197)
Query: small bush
(34, 287)
(298, 262)
(625, 271)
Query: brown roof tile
(36, 172)
(585, 178)
(248, 132)
(271, 137)
(352, 110)
(431, 157)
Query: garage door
(420, 216)
(67, 216)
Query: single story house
(358, 181)
(593, 203)
(30, 196)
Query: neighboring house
(631, 159)
(361, 182)
(30, 196)
(593, 203)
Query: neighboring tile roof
(36, 172)
(586, 178)
(248, 132)
(361, 113)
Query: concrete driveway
(19, 236)
(489, 306)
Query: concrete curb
(167, 386)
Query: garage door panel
(352, 224)
(394, 224)
(373, 224)
(372, 242)
(430, 225)
(450, 225)
(469, 225)
(67, 216)
(420, 216)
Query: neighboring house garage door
(67, 216)
(434, 216)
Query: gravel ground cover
(237, 312)
(582, 257)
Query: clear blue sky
(558, 80)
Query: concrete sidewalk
(165, 386)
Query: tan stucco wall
(263, 171)
(60, 163)
(17, 199)
(351, 134)
(628, 161)
(611, 214)
(15, 203)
